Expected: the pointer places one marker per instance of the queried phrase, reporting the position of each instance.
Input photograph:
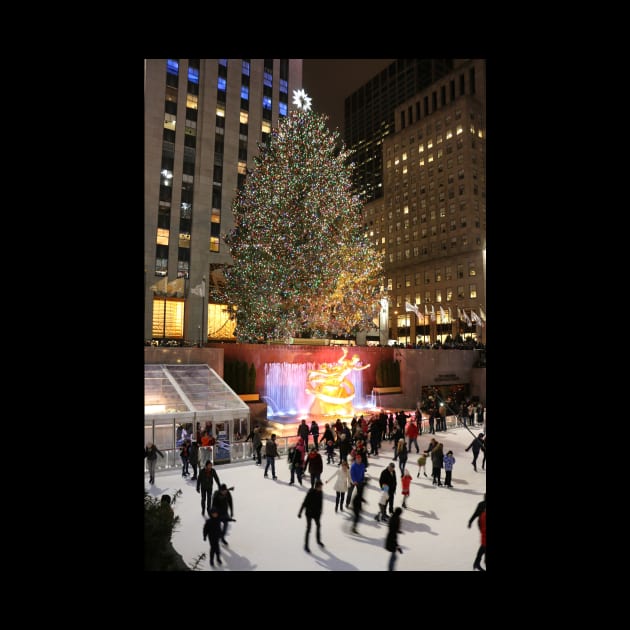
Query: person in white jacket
(342, 483)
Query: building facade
(203, 120)
(431, 220)
(369, 115)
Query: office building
(369, 115)
(431, 220)
(203, 120)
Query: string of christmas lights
(303, 265)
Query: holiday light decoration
(303, 265)
(301, 100)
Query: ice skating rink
(268, 536)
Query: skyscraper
(431, 220)
(369, 114)
(203, 120)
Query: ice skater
(341, 484)
(212, 531)
(312, 503)
(405, 482)
(391, 542)
(448, 462)
(476, 445)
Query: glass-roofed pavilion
(180, 399)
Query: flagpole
(203, 299)
(164, 319)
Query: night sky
(329, 81)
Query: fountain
(301, 389)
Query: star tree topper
(301, 101)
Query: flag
(176, 287)
(466, 318)
(161, 286)
(442, 314)
(483, 315)
(411, 308)
(200, 289)
(432, 313)
(476, 318)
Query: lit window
(449, 134)
(221, 112)
(244, 92)
(267, 79)
(404, 170)
(430, 144)
(266, 102)
(245, 68)
(242, 168)
(480, 133)
(284, 86)
(223, 62)
(438, 295)
(397, 161)
(193, 75)
(406, 210)
(266, 126)
(172, 66)
(404, 156)
(191, 101)
(459, 129)
(214, 243)
(472, 129)
(169, 122)
(439, 139)
(184, 239)
(389, 163)
(421, 148)
(421, 162)
(244, 118)
(473, 291)
(162, 236)
(449, 294)
(430, 157)
(221, 84)
(282, 109)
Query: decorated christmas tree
(303, 265)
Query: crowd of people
(350, 449)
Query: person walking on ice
(405, 482)
(449, 460)
(313, 502)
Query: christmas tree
(303, 265)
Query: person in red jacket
(412, 434)
(315, 465)
(482, 549)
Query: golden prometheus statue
(331, 387)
